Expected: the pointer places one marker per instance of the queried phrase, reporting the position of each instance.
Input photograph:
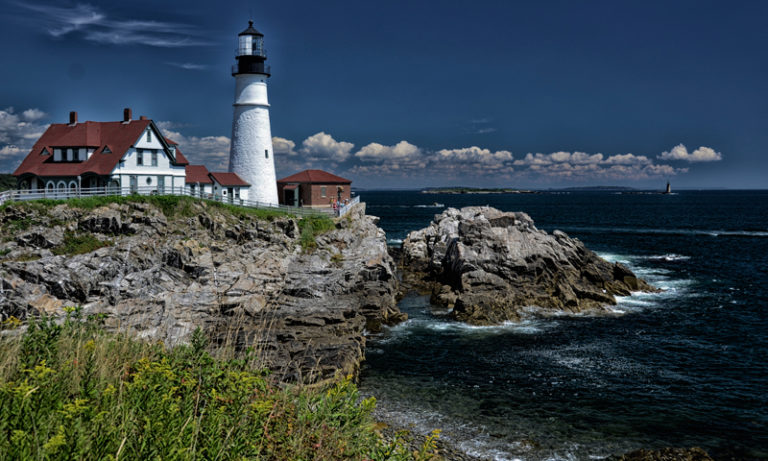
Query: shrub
(77, 244)
(311, 227)
(73, 391)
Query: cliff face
(491, 266)
(244, 280)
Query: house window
(192, 189)
(266, 153)
(322, 191)
(139, 157)
(106, 150)
(69, 155)
(154, 158)
(149, 181)
(149, 135)
(45, 151)
(56, 155)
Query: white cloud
(211, 151)
(475, 155)
(91, 23)
(702, 154)
(627, 159)
(375, 152)
(322, 146)
(188, 65)
(283, 146)
(18, 133)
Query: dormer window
(45, 151)
(106, 150)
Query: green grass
(73, 391)
(311, 227)
(77, 244)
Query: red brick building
(313, 188)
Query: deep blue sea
(684, 367)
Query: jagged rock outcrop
(245, 281)
(491, 266)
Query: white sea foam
(394, 241)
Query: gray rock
(247, 282)
(491, 266)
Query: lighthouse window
(266, 153)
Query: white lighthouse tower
(251, 155)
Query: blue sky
(413, 93)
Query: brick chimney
(127, 115)
(142, 117)
(72, 118)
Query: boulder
(491, 266)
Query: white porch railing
(63, 194)
(345, 208)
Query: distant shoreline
(467, 190)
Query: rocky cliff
(161, 270)
(491, 266)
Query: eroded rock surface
(491, 266)
(246, 281)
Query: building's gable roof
(197, 174)
(228, 179)
(180, 158)
(315, 177)
(117, 137)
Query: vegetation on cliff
(71, 390)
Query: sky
(411, 94)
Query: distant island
(474, 190)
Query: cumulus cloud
(322, 146)
(475, 155)
(702, 154)
(18, 133)
(283, 146)
(211, 151)
(93, 24)
(404, 160)
(375, 152)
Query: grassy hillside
(73, 391)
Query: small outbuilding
(313, 188)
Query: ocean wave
(669, 257)
(394, 241)
(642, 230)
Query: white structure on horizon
(251, 155)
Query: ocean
(684, 367)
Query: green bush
(73, 391)
(311, 227)
(77, 244)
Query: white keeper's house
(123, 157)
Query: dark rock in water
(664, 454)
(492, 266)
(245, 281)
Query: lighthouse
(251, 155)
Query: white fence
(62, 194)
(345, 209)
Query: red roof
(315, 177)
(118, 136)
(228, 179)
(197, 174)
